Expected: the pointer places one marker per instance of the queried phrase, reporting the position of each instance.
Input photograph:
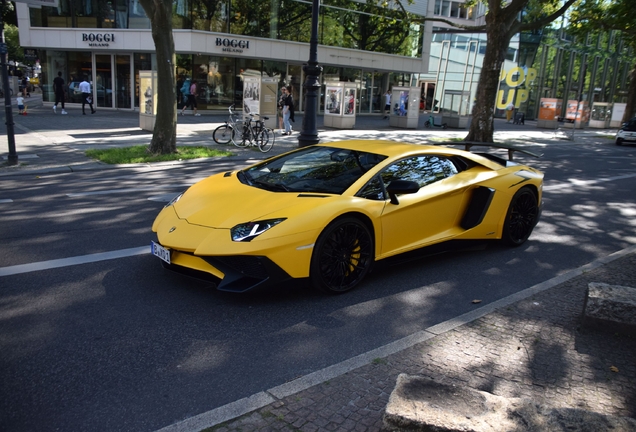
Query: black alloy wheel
(342, 257)
(521, 217)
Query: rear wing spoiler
(511, 149)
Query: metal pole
(309, 133)
(13, 156)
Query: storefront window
(75, 66)
(352, 24)
(91, 14)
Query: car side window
(423, 170)
(373, 190)
(630, 126)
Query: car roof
(395, 149)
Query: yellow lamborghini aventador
(328, 212)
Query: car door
(426, 216)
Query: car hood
(222, 201)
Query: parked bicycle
(223, 134)
(252, 132)
(431, 123)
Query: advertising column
(147, 100)
(549, 110)
(405, 107)
(340, 105)
(269, 91)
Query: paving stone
(531, 350)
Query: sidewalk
(47, 142)
(526, 345)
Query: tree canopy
(593, 16)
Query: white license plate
(160, 251)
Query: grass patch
(445, 139)
(140, 154)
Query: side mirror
(401, 187)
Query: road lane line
(583, 183)
(65, 262)
(128, 190)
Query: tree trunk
(164, 137)
(482, 125)
(630, 108)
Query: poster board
(251, 95)
(333, 100)
(147, 99)
(550, 108)
(268, 97)
(340, 105)
(405, 107)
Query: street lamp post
(309, 133)
(13, 156)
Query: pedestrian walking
(25, 86)
(191, 95)
(58, 89)
(288, 110)
(281, 103)
(87, 96)
(387, 104)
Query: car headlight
(174, 200)
(247, 231)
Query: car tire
(342, 256)
(522, 216)
(222, 134)
(619, 142)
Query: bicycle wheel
(265, 140)
(222, 134)
(241, 134)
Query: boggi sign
(232, 45)
(98, 39)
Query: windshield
(313, 169)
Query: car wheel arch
(321, 272)
(505, 234)
(365, 219)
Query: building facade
(221, 42)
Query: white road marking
(128, 190)
(4, 201)
(65, 262)
(575, 182)
(163, 198)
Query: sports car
(329, 212)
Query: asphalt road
(117, 343)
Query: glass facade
(115, 78)
(342, 23)
(543, 64)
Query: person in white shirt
(387, 104)
(87, 96)
(20, 101)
